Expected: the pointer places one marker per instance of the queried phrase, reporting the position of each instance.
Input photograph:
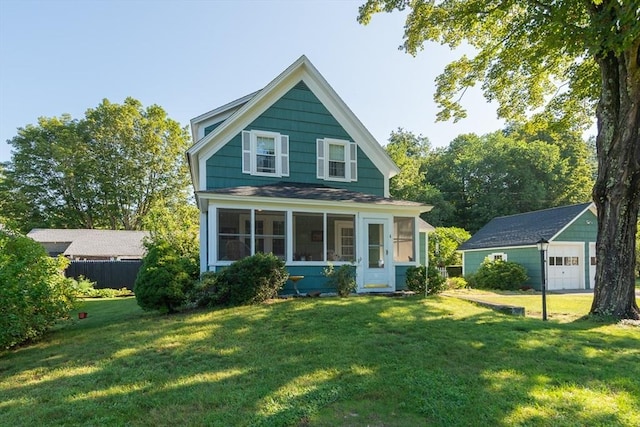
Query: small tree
(165, 277)
(34, 293)
(443, 244)
(343, 278)
(416, 280)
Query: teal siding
(401, 277)
(583, 229)
(300, 115)
(529, 258)
(313, 281)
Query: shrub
(343, 278)
(251, 280)
(34, 293)
(203, 293)
(456, 283)
(84, 288)
(415, 279)
(165, 277)
(500, 275)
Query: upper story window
(337, 160)
(265, 153)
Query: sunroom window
(323, 237)
(235, 233)
(308, 236)
(265, 153)
(403, 239)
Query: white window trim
(249, 152)
(500, 255)
(350, 156)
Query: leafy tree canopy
(538, 165)
(566, 58)
(102, 171)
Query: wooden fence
(106, 274)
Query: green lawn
(357, 361)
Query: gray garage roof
(94, 243)
(524, 229)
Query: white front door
(565, 266)
(376, 261)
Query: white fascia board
(217, 115)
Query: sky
(192, 56)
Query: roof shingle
(524, 229)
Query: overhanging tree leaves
(103, 171)
(566, 56)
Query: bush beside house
(417, 280)
(500, 275)
(166, 277)
(251, 280)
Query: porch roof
(317, 192)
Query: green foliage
(443, 245)
(564, 61)
(165, 277)
(34, 293)
(415, 280)
(204, 292)
(524, 52)
(103, 171)
(175, 223)
(411, 153)
(251, 280)
(510, 172)
(84, 288)
(501, 275)
(456, 283)
(343, 278)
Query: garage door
(565, 267)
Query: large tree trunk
(617, 190)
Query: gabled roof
(525, 229)
(236, 115)
(94, 243)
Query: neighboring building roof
(525, 229)
(289, 190)
(94, 243)
(236, 115)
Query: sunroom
(309, 227)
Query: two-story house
(291, 170)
